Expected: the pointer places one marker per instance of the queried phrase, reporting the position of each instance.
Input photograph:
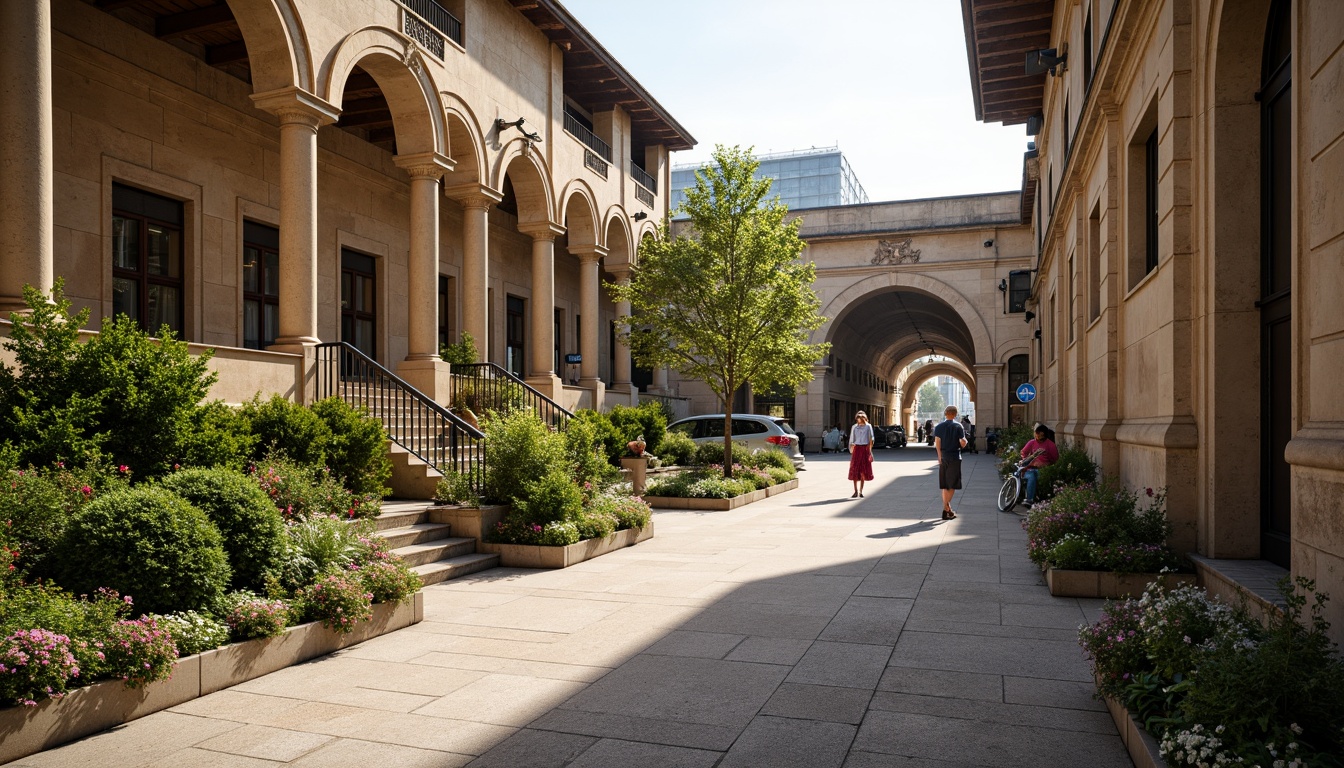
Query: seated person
(1043, 441)
(830, 439)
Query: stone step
(390, 519)
(428, 552)
(417, 533)
(453, 567)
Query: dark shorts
(949, 474)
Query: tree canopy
(727, 301)
(930, 400)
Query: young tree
(930, 400)
(729, 302)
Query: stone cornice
(542, 230)
(473, 195)
(424, 165)
(295, 105)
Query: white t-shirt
(861, 434)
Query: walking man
(948, 440)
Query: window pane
(272, 273)
(251, 266)
(162, 251)
(345, 290)
(162, 307)
(251, 325)
(366, 294)
(125, 298)
(125, 243)
(272, 326)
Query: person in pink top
(1044, 441)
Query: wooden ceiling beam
(207, 19)
(228, 53)
(366, 120)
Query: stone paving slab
(808, 629)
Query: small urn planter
(1108, 584)
(637, 472)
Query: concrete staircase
(429, 548)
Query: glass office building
(804, 178)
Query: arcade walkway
(805, 630)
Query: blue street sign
(1026, 393)
(573, 359)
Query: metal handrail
(580, 131)
(411, 418)
(643, 178)
(488, 384)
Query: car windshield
(784, 425)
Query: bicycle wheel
(1010, 493)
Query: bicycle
(1015, 486)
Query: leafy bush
(521, 448)
(339, 601)
(556, 534)
(287, 428)
(648, 419)
(1101, 526)
(780, 475)
(321, 545)
(552, 499)
(595, 524)
(87, 621)
(356, 447)
(462, 353)
(194, 632)
(389, 581)
(604, 432)
(587, 455)
(301, 491)
(219, 436)
(139, 651)
(457, 488)
(35, 664)
(711, 454)
(253, 531)
(1011, 440)
(249, 616)
(38, 503)
(629, 511)
(1074, 467)
(766, 459)
(148, 543)
(122, 394)
(1114, 647)
(676, 449)
(700, 485)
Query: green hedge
(253, 530)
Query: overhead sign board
(573, 359)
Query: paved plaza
(805, 630)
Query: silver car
(755, 430)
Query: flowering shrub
(38, 503)
(459, 488)
(139, 651)
(35, 664)
(629, 511)
(338, 601)
(389, 581)
(300, 491)
(193, 632)
(596, 524)
(1217, 688)
(1100, 526)
(553, 534)
(249, 616)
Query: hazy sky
(885, 79)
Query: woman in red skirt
(860, 453)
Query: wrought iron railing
(490, 387)
(438, 17)
(643, 178)
(412, 419)
(579, 131)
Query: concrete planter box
(470, 522)
(1107, 584)
(97, 707)
(720, 505)
(1143, 749)
(536, 556)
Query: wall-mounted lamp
(1037, 334)
(1003, 286)
(501, 124)
(1029, 316)
(989, 243)
(639, 216)
(1045, 60)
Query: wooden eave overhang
(595, 79)
(999, 34)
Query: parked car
(755, 430)
(889, 437)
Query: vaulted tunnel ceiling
(897, 324)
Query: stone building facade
(1190, 229)
(262, 175)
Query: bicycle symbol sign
(1026, 393)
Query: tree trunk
(728, 440)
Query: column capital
(987, 367)
(424, 165)
(472, 195)
(295, 105)
(542, 231)
(619, 271)
(588, 253)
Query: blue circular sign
(1026, 393)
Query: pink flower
(123, 469)
(86, 490)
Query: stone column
(659, 380)
(476, 201)
(589, 298)
(301, 114)
(621, 372)
(991, 400)
(423, 368)
(541, 335)
(26, 220)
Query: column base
(429, 375)
(549, 385)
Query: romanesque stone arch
(465, 143)
(578, 213)
(933, 370)
(868, 286)
(277, 46)
(394, 61)
(531, 182)
(618, 237)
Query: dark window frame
(515, 335)
(1019, 291)
(265, 239)
(133, 204)
(364, 266)
(1150, 202)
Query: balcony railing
(438, 17)
(643, 177)
(576, 129)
